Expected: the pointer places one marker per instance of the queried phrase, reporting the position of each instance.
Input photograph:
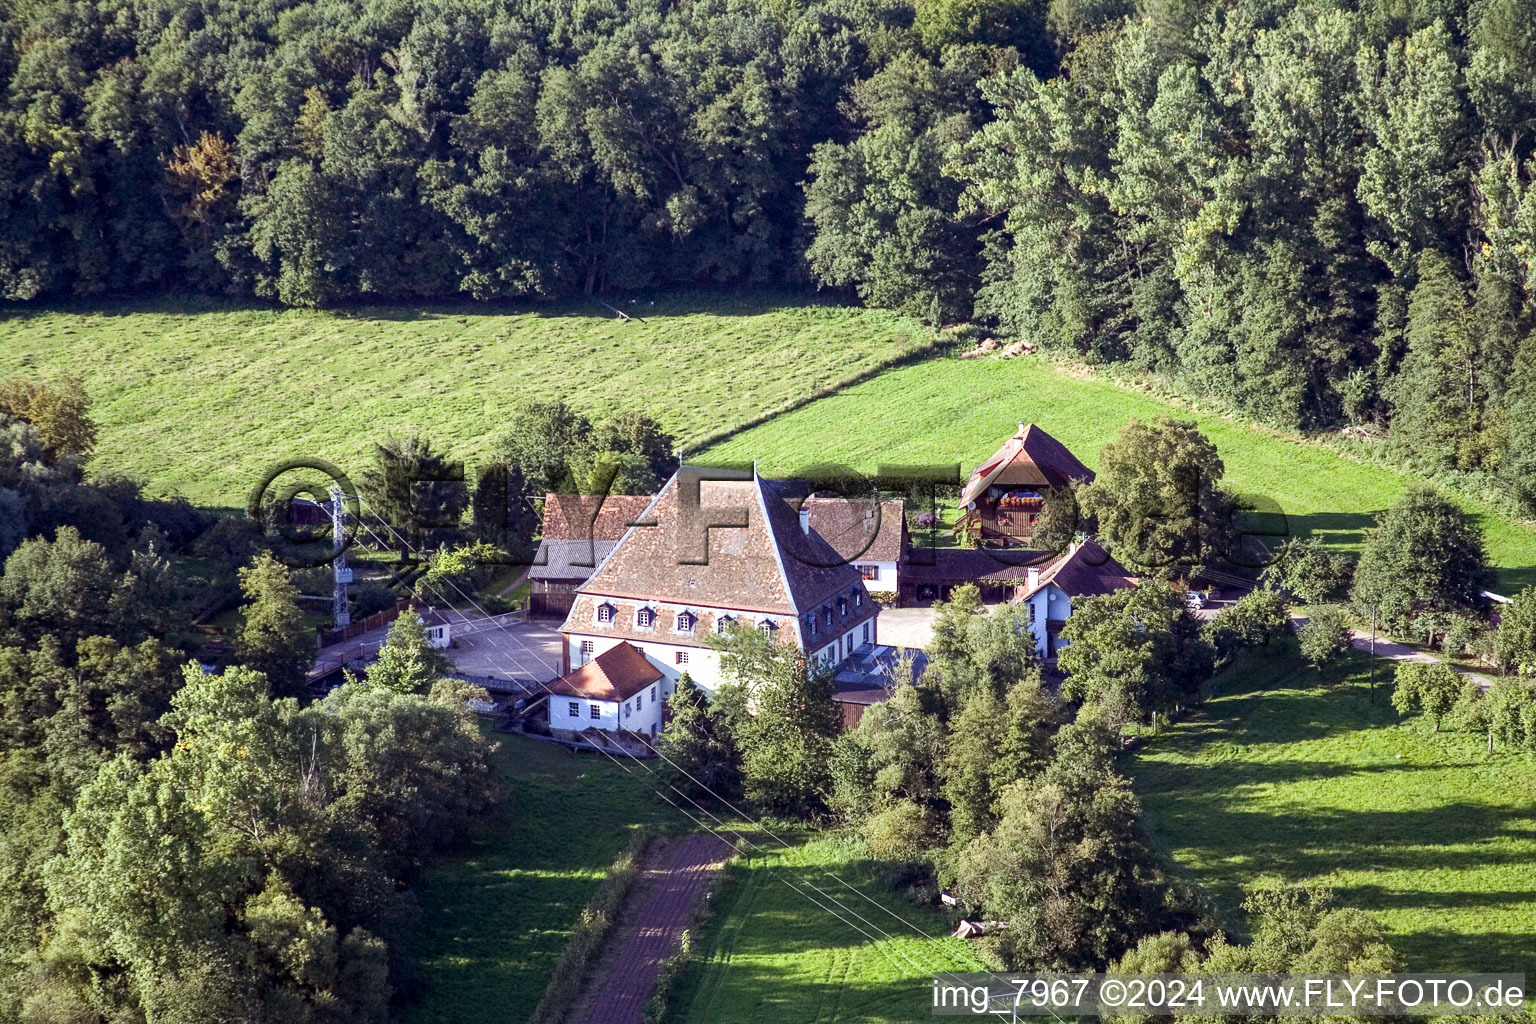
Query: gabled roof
(591, 516)
(1030, 458)
(1085, 570)
(723, 543)
(569, 559)
(858, 530)
(617, 674)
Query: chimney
(805, 516)
(1034, 577)
(1022, 428)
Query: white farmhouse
(710, 553)
(620, 689)
(1083, 570)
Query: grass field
(1281, 777)
(959, 411)
(199, 397)
(496, 915)
(770, 955)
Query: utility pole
(1373, 655)
(341, 573)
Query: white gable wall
(1049, 602)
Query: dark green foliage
(1135, 652)
(1516, 636)
(1255, 620)
(786, 740)
(1067, 864)
(407, 662)
(411, 493)
(249, 915)
(1326, 636)
(699, 751)
(1425, 556)
(1432, 689)
(974, 649)
(273, 639)
(1156, 497)
(1306, 568)
(1295, 929)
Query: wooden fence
(378, 620)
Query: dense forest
(178, 844)
(1320, 213)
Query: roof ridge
(775, 545)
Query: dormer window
(686, 621)
(645, 618)
(605, 613)
(858, 599)
(768, 626)
(826, 615)
(810, 623)
(842, 607)
(724, 623)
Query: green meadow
(1286, 777)
(800, 931)
(958, 412)
(497, 913)
(199, 397)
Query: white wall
(703, 664)
(560, 717)
(888, 579)
(1049, 602)
(644, 718)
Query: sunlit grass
(790, 941)
(958, 412)
(199, 397)
(1281, 776)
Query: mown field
(199, 397)
(1282, 777)
(773, 951)
(497, 913)
(959, 411)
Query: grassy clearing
(497, 914)
(768, 955)
(199, 397)
(1280, 776)
(959, 411)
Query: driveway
(503, 648)
(905, 627)
(1391, 650)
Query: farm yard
(1277, 777)
(1281, 777)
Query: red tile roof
(617, 674)
(1085, 570)
(1030, 458)
(860, 530)
(726, 544)
(591, 516)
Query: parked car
(1198, 599)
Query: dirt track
(675, 876)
